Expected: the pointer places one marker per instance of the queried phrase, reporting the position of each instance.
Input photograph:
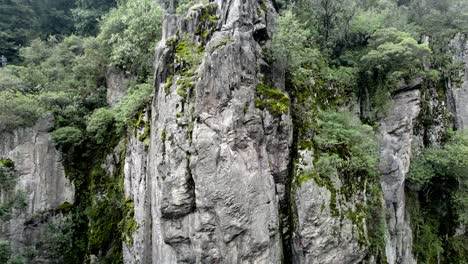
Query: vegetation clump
(128, 225)
(275, 101)
(439, 202)
(129, 33)
(189, 56)
(221, 43)
(13, 202)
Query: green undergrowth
(188, 57)
(143, 123)
(207, 22)
(103, 216)
(12, 199)
(128, 225)
(437, 202)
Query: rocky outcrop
(41, 176)
(217, 166)
(137, 189)
(457, 80)
(321, 235)
(117, 84)
(396, 137)
(217, 163)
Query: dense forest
(334, 55)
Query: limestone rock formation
(321, 236)
(217, 165)
(117, 84)
(41, 176)
(396, 136)
(137, 189)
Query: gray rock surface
(320, 236)
(217, 165)
(136, 188)
(41, 175)
(458, 82)
(117, 83)
(396, 137)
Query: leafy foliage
(14, 200)
(394, 53)
(100, 124)
(351, 146)
(4, 251)
(18, 110)
(345, 162)
(63, 78)
(275, 101)
(66, 76)
(331, 18)
(87, 13)
(52, 242)
(67, 136)
(440, 175)
(289, 43)
(15, 27)
(129, 34)
(138, 97)
(22, 20)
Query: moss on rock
(275, 101)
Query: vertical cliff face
(217, 166)
(137, 248)
(117, 83)
(214, 183)
(417, 119)
(396, 137)
(458, 81)
(40, 176)
(323, 234)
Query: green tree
(18, 110)
(54, 17)
(129, 34)
(87, 14)
(67, 136)
(290, 41)
(101, 124)
(394, 54)
(351, 145)
(138, 97)
(5, 251)
(330, 19)
(18, 24)
(52, 242)
(13, 200)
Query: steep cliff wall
(217, 165)
(457, 82)
(137, 189)
(396, 137)
(41, 177)
(322, 235)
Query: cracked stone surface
(217, 165)
(396, 137)
(41, 175)
(458, 85)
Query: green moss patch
(221, 43)
(275, 101)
